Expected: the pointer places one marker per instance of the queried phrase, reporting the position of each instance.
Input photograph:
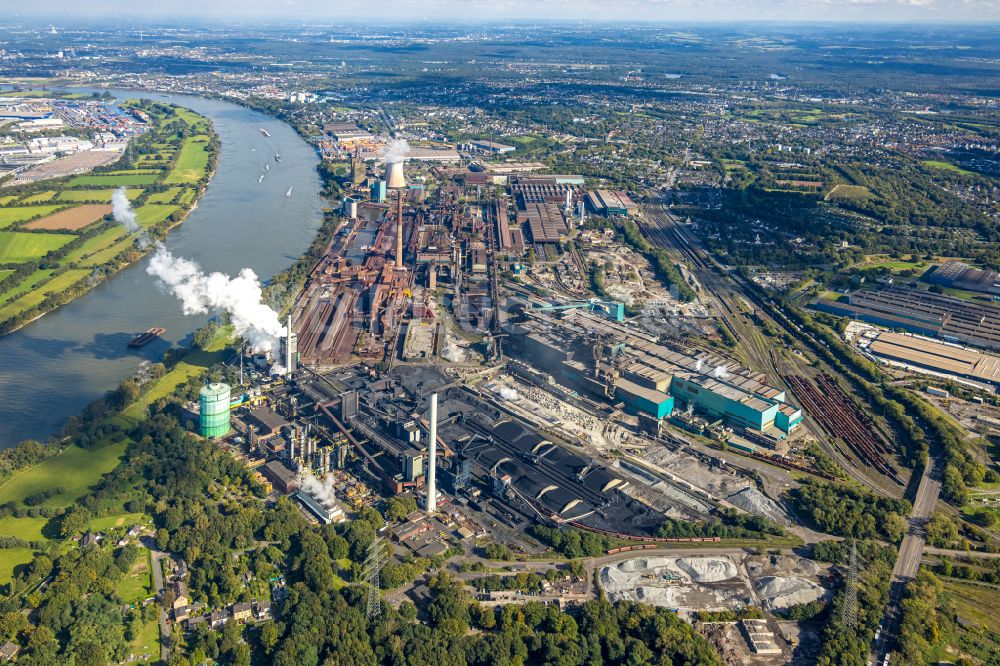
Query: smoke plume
(508, 393)
(395, 151)
(199, 293)
(121, 208)
(322, 490)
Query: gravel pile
(708, 569)
(753, 501)
(787, 591)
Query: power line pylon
(849, 611)
(374, 562)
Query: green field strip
(25, 286)
(151, 214)
(40, 197)
(95, 244)
(9, 216)
(109, 253)
(56, 285)
(114, 180)
(97, 196)
(192, 163)
(17, 247)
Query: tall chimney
(432, 458)
(288, 347)
(399, 229)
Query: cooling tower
(394, 177)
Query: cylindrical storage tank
(214, 399)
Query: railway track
(844, 421)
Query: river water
(53, 367)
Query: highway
(911, 551)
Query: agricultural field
(17, 247)
(9, 216)
(56, 285)
(38, 225)
(38, 198)
(71, 219)
(109, 253)
(26, 285)
(167, 196)
(114, 180)
(192, 163)
(102, 196)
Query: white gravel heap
(787, 591)
(708, 569)
(755, 502)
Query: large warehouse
(923, 313)
(941, 358)
(593, 354)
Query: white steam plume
(322, 490)
(508, 393)
(395, 151)
(241, 297)
(121, 208)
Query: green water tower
(214, 400)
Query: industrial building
(940, 358)
(924, 313)
(348, 134)
(590, 352)
(321, 513)
(610, 204)
(489, 147)
(545, 221)
(378, 191)
(963, 276)
(283, 479)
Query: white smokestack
(240, 297)
(432, 458)
(288, 346)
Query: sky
(977, 11)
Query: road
(498, 567)
(911, 551)
(156, 562)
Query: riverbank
(166, 174)
(79, 351)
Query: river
(53, 367)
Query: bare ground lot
(71, 219)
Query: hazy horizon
(416, 11)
